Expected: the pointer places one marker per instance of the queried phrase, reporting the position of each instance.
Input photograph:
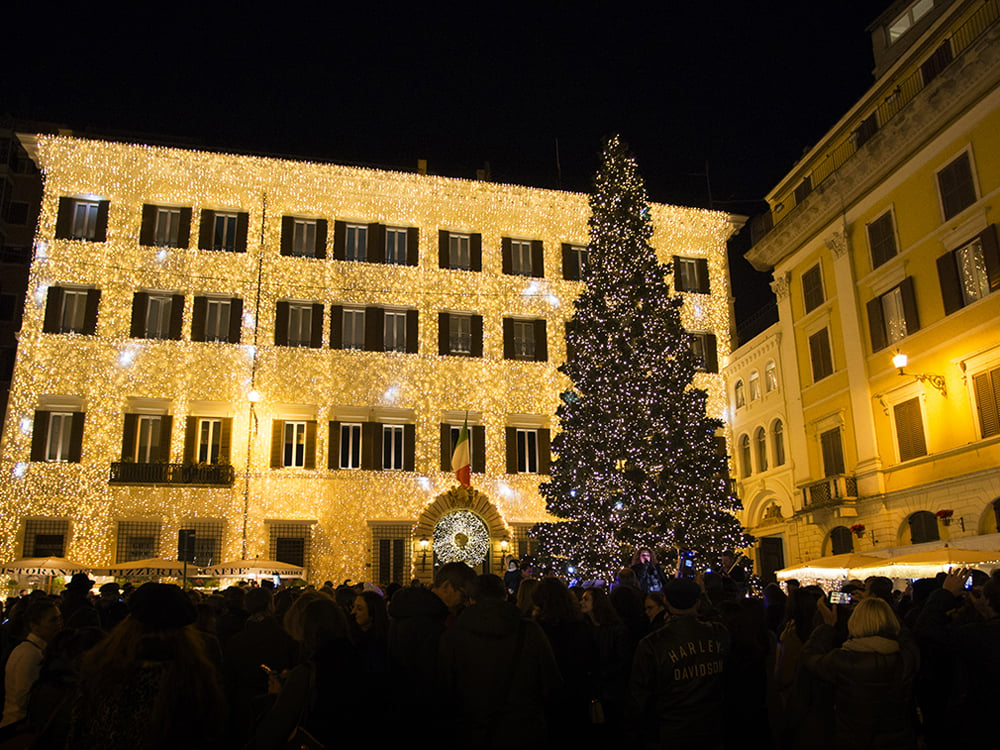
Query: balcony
(831, 491)
(124, 472)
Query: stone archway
(458, 519)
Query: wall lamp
(900, 360)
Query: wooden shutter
(909, 429)
(375, 247)
(876, 326)
(570, 263)
(64, 219)
(541, 342)
(987, 388)
(339, 240)
(508, 338)
(53, 310)
(409, 446)
(76, 438)
(333, 446)
(412, 246)
(991, 255)
(166, 429)
(412, 340)
(320, 251)
(40, 434)
(90, 314)
(336, 326)
(277, 443)
(478, 438)
(537, 258)
(184, 230)
(206, 232)
(909, 305)
(951, 285)
(475, 252)
(281, 324)
(128, 436)
(477, 335)
(242, 225)
(703, 282)
(371, 446)
(446, 447)
(226, 442)
(101, 227)
(511, 435)
(310, 457)
(199, 309)
(374, 333)
(235, 320)
(316, 331)
(444, 334)
(176, 316)
(711, 353)
(140, 303)
(939, 59)
(191, 441)
(833, 452)
(287, 234)
(544, 450)
(444, 259)
(506, 259)
(147, 230)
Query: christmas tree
(637, 461)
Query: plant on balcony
(637, 462)
(858, 529)
(948, 513)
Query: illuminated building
(883, 239)
(365, 310)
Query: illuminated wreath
(461, 536)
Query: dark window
(217, 319)
(299, 324)
(812, 288)
(882, 239)
(746, 458)
(304, 238)
(986, 386)
(460, 334)
(69, 310)
(821, 355)
(760, 439)
(691, 275)
(865, 131)
(923, 527)
(527, 450)
(293, 444)
(893, 315)
(833, 452)
(157, 315)
(574, 261)
(937, 62)
(778, 435)
(704, 347)
(841, 541)
(82, 219)
(909, 429)
(460, 251)
(290, 542)
(477, 446)
(137, 540)
(146, 438)
(165, 226)
(200, 542)
(224, 230)
(57, 436)
(525, 339)
(803, 189)
(45, 537)
(956, 187)
(970, 272)
(522, 257)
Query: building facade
(228, 357)
(883, 241)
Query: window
(970, 272)
(298, 324)
(841, 541)
(574, 261)
(45, 537)
(394, 331)
(833, 452)
(460, 334)
(302, 237)
(521, 257)
(165, 226)
(295, 445)
(356, 242)
(168, 227)
(395, 246)
(986, 386)
(937, 62)
(147, 444)
(353, 330)
(770, 377)
(217, 313)
(907, 18)
(778, 436)
(923, 527)
(740, 394)
(137, 540)
(704, 348)
(746, 461)
(74, 310)
(290, 542)
(391, 556)
(158, 316)
(477, 446)
(200, 541)
(956, 187)
(820, 354)
(17, 213)
(223, 230)
(350, 445)
(893, 315)
(754, 385)
(525, 340)
(392, 447)
(460, 251)
(217, 319)
(691, 275)
(69, 310)
(909, 429)
(209, 441)
(812, 288)
(760, 438)
(527, 450)
(57, 436)
(82, 219)
(803, 189)
(882, 239)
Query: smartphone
(968, 582)
(685, 564)
(840, 597)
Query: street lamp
(900, 360)
(424, 544)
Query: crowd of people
(480, 661)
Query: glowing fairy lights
(108, 369)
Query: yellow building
(230, 356)
(883, 240)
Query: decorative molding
(837, 243)
(780, 286)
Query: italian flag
(460, 458)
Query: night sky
(732, 90)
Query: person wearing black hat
(149, 684)
(677, 673)
(75, 597)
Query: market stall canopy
(828, 568)
(153, 567)
(238, 568)
(928, 563)
(42, 566)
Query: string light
(108, 368)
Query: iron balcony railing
(126, 472)
(831, 490)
